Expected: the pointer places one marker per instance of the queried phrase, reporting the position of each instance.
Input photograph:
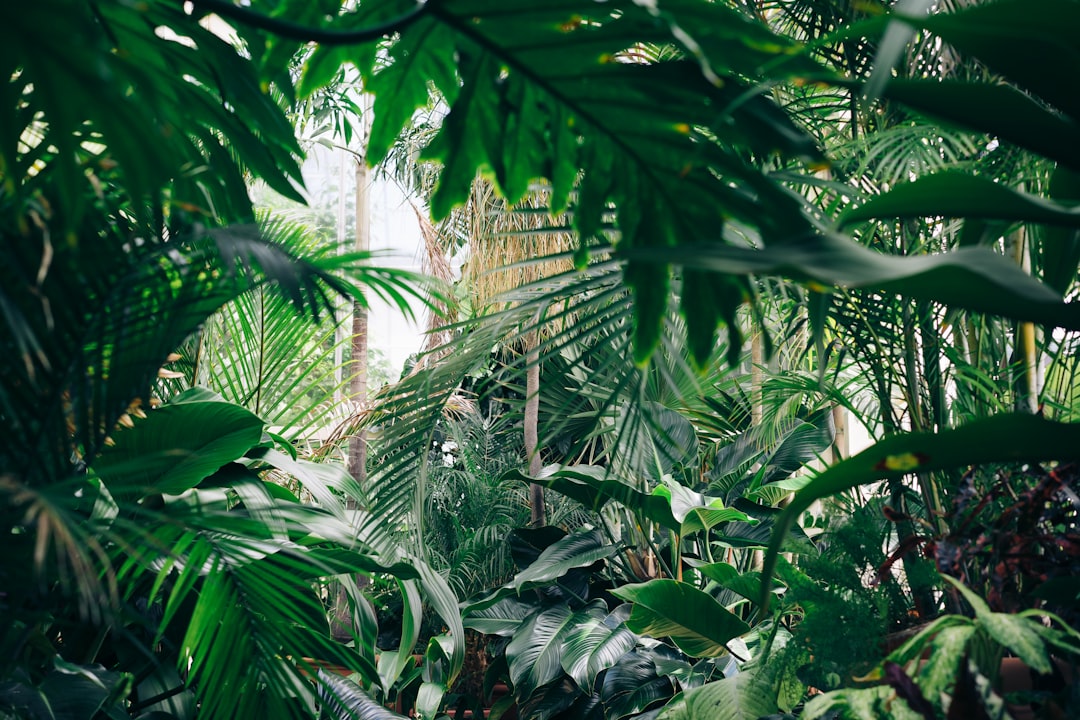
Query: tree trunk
(358, 383)
(341, 626)
(757, 379)
(538, 514)
(1026, 386)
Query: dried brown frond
(503, 240)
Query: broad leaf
(595, 644)
(347, 699)
(699, 625)
(1013, 632)
(957, 194)
(535, 652)
(1003, 438)
(971, 278)
(177, 446)
(632, 685)
(749, 695)
(503, 618)
(580, 550)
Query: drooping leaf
(1012, 632)
(971, 278)
(177, 446)
(346, 699)
(573, 552)
(1002, 438)
(502, 618)
(633, 685)
(699, 625)
(535, 652)
(956, 194)
(749, 695)
(594, 645)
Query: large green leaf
(1060, 246)
(998, 110)
(1031, 45)
(971, 278)
(957, 194)
(1013, 632)
(633, 685)
(805, 442)
(554, 700)
(176, 446)
(673, 506)
(749, 695)
(695, 512)
(73, 690)
(535, 653)
(593, 487)
(947, 650)
(595, 644)
(1002, 438)
(348, 700)
(578, 550)
(745, 584)
(699, 625)
(537, 84)
(502, 618)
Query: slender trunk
(358, 382)
(840, 444)
(757, 379)
(538, 514)
(1026, 359)
(342, 625)
(340, 308)
(757, 408)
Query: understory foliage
(772, 219)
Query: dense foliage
(880, 201)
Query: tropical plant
(154, 568)
(569, 648)
(950, 668)
(676, 138)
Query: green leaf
(972, 278)
(579, 550)
(633, 685)
(503, 618)
(696, 512)
(947, 650)
(592, 487)
(595, 644)
(699, 625)
(175, 447)
(861, 704)
(535, 653)
(1003, 438)
(423, 54)
(1036, 50)
(83, 690)
(549, 701)
(463, 145)
(1060, 246)
(745, 584)
(749, 695)
(806, 441)
(1013, 632)
(345, 698)
(998, 110)
(956, 194)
